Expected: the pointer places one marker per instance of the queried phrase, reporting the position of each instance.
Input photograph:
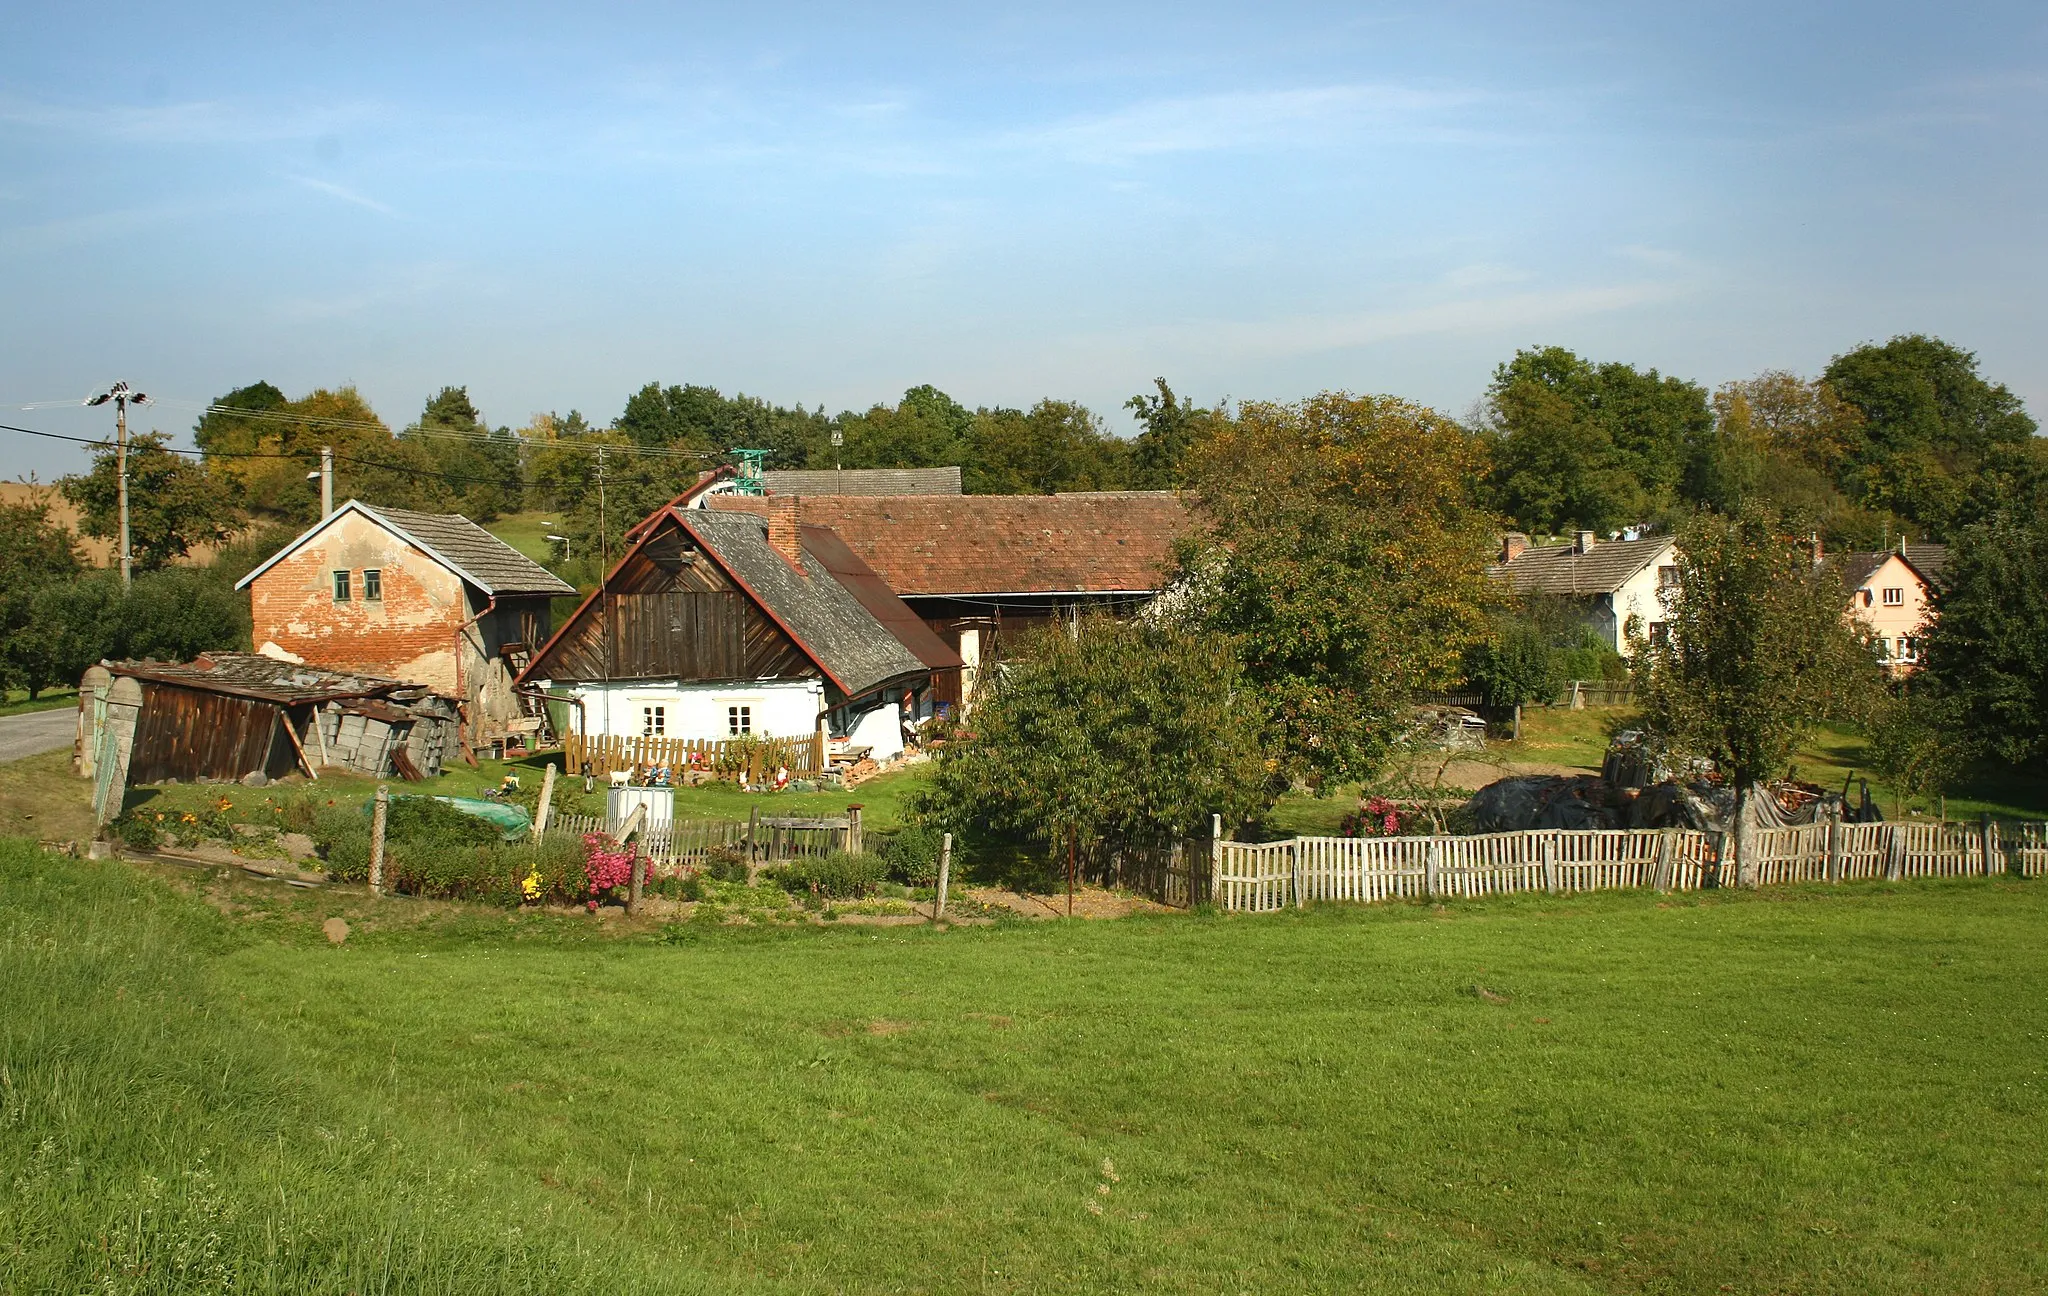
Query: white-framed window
(1884, 650)
(373, 585)
(1667, 576)
(739, 720)
(341, 593)
(653, 721)
(1895, 598)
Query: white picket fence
(1260, 877)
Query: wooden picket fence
(743, 760)
(1257, 877)
(678, 842)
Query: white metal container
(621, 802)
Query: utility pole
(326, 482)
(122, 398)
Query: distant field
(1813, 1091)
(528, 532)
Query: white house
(715, 625)
(1616, 582)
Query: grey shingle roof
(862, 481)
(1930, 560)
(843, 637)
(478, 556)
(1560, 569)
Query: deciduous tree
(1758, 651)
(1988, 644)
(174, 504)
(1344, 561)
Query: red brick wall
(409, 634)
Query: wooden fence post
(1431, 859)
(1894, 853)
(1294, 872)
(547, 799)
(638, 882)
(1215, 852)
(1990, 837)
(1549, 848)
(1666, 864)
(945, 876)
(1838, 841)
(377, 840)
(753, 834)
(853, 834)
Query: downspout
(490, 606)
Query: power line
(301, 456)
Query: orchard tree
(174, 504)
(1344, 561)
(1121, 735)
(1758, 652)
(34, 552)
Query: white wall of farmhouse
(630, 709)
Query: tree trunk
(1745, 836)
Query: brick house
(429, 598)
(979, 568)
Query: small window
(1895, 598)
(1660, 634)
(373, 585)
(1866, 597)
(653, 721)
(341, 587)
(739, 720)
(1667, 577)
(1909, 649)
(1884, 650)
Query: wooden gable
(669, 612)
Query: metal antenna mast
(122, 397)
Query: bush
(137, 832)
(913, 856)
(724, 864)
(842, 875)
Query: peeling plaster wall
(409, 634)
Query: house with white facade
(1618, 584)
(717, 625)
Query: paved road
(38, 731)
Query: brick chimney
(1511, 546)
(1586, 541)
(782, 532)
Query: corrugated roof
(1562, 569)
(464, 547)
(825, 618)
(862, 481)
(267, 679)
(1090, 542)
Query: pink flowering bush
(1378, 817)
(609, 868)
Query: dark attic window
(341, 587)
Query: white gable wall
(776, 708)
(1639, 597)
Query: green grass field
(16, 701)
(1804, 1091)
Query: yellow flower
(532, 886)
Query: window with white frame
(1895, 598)
(739, 720)
(653, 721)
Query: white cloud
(1244, 119)
(346, 195)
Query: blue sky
(826, 207)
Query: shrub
(842, 875)
(724, 864)
(913, 856)
(137, 832)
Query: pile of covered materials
(1642, 787)
(1587, 801)
(241, 717)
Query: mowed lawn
(1803, 1091)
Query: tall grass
(151, 1141)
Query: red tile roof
(1093, 542)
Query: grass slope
(1811, 1091)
